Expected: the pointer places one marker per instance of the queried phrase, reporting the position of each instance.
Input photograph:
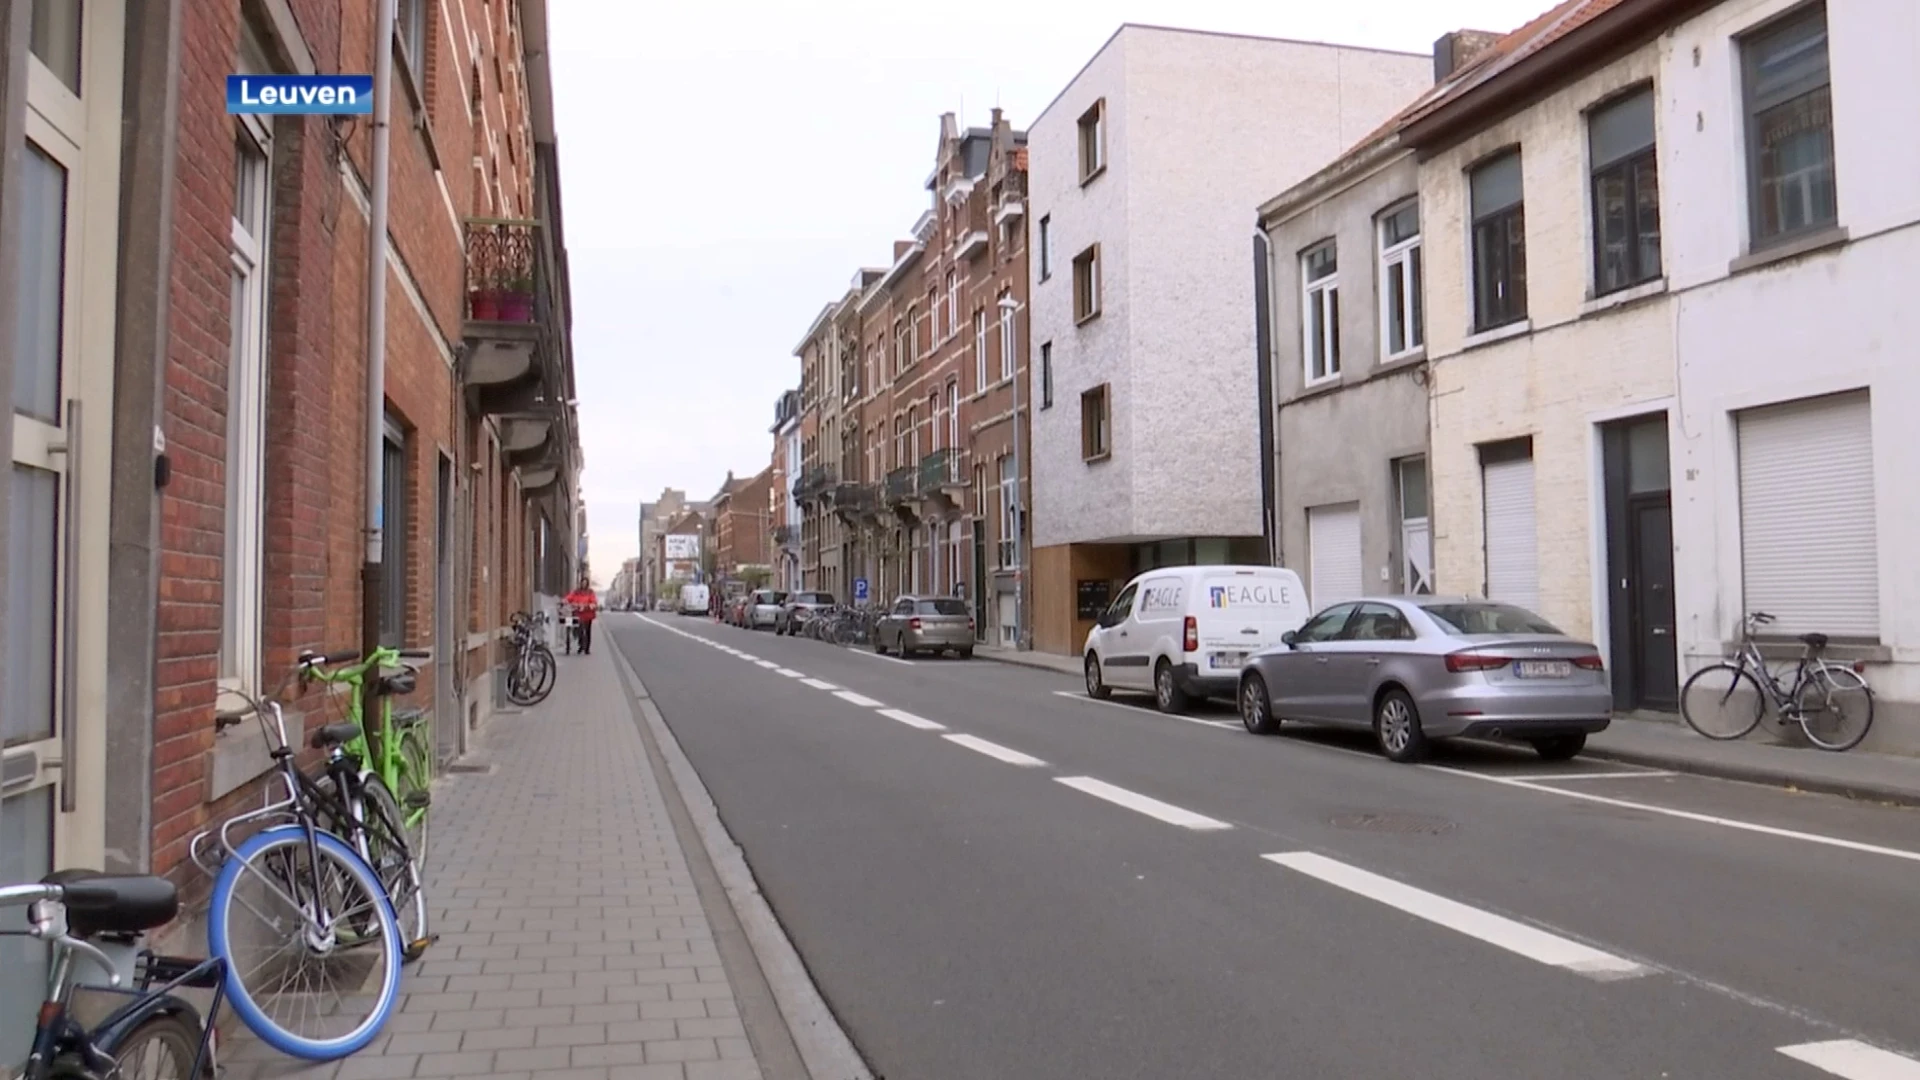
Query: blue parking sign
(859, 590)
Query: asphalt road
(989, 875)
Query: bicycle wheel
(158, 1048)
(383, 844)
(1836, 708)
(339, 943)
(546, 671)
(415, 787)
(1723, 701)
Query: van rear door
(1241, 610)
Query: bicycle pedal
(420, 945)
(418, 800)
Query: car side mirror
(1289, 638)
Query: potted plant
(516, 297)
(483, 300)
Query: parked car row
(1411, 669)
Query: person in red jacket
(585, 606)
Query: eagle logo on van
(1224, 596)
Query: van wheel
(1396, 724)
(1256, 708)
(1166, 691)
(1096, 686)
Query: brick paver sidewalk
(572, 941)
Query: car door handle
(1373, 660)
(1320, 659)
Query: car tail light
(1590, 663)
(1859, 667)
(1192, 642)
(913, 624)
(1467, 661)
(969, 622)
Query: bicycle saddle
(1818, 641)
(331, 735)
(99, 903)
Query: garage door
(1513, 566)
(1333, 542)
(1808, 543)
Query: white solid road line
(819, 684)
(1515, 937)
(1544, 779)
(911, 720)
(1139, 803)
(861, 700)
(1137, 711)
(1688, 815)
(790, 673)
(859, 651)
(993, 750)
(1854, 1060)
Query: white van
(693, 599)
(1183, 632)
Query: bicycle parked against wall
(397, 751)
(85, 917)
(1830, 701)
(318, 974)
(532, 671)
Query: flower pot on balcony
(484, 304)
(516, 306)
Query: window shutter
(1513, 568)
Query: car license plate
(1543, 669)
(1228, 661)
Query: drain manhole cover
(1406, 824)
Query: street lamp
(1009, 307)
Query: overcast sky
(726, 168)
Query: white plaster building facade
(1145, 173)
(1794, 450)
(1551, 344)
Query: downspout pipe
(1269, 438)
(371, 584)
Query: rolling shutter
(1808, 544)
(1513, 565)
(1333, 540)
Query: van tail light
(1467, 661)
(913, 624)
(969, 624)
(1192, 642)
(1590, 663)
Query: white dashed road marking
(790, 673)
(1075, 695)
(994, 750)
(768, 664)
(1133, 800)
(863, 651)
(1854, 1060)
(819, 684)
(861, 700)
(1511, 935)
(911, 720)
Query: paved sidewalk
(572, 941)
(1665, 742)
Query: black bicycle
(154, 1034)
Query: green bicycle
(396, 756)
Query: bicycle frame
(378, 747)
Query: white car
(1183, 632)
(763, 608)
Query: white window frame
(979, 350)
(1008, 549)
(1403, 255)
(244, 560)
(1009, 354)
(1320, 294)
(953, 415)
(953, 301)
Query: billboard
(683, 547)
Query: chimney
(949, 129)
(1457, 49)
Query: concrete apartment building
(787, 457)
(185, 288)
(1792, 445)
(1145, 172)
(915, 368)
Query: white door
(1513, 567)
(1333, 553)
(53, 704)
(1808, 539)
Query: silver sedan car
(925, 623)
(1417, 668)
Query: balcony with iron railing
(901, 485)
(938, 471)
(812, 480)
(786, 536)
(515, 346)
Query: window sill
(1087, 318)
(1632, 294)
(1818, 240)
(1096, 174)
(1324, 382)
(1106, 455)
(1403, 359)
(1497, 334)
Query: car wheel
(1096, 686)
(966, 653)
(1560, 747)
(1166, 690)
(1256, 708)
(1396, 724)
(879, 643)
